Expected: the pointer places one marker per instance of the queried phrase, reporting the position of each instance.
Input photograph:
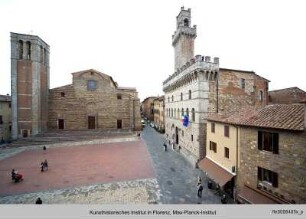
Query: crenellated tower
(183, 38)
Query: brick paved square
(76, 166)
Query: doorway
(91, 122)
(176, 135)
(25, 133)
(119, 124)
(61, 123)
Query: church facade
(93, 101)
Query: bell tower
(183, 38)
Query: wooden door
(91, 122)
(61, 124)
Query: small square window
(213, 127)
(226, 131)
(91, 85)
(62, 94)
(119, 97)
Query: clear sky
(130, 40)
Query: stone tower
(30, 84)
(183, 39)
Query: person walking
(165, 146)
(46, 165)
(200, 190)
(199, 180)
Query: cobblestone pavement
(176, 177)
(130, 192)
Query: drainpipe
(237, 147)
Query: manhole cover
(170, 183)
(172, 169)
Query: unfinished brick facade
(93, 101)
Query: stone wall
(106, 103)
(232, 97)
(289, 164)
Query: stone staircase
(55, 137)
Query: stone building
(93, 101)
(260, 152)
(287, 95)
(30, 84)
(147, 108)
(198, 87)
(159, 116)
(272, 156)
(5, 118)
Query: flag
(186, 121)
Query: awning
(254, 197)
(215, 172)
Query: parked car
(143, 123)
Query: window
(171, 112)
(20, 49)
(91, 85)
(226, 131)
(213, 146)
(10, 105)
(189, 94)
(174, 113)
(187, 112)
(193, 115)
(268, 141)
(1, 121)
(28, 50)
(186, 22)
(181, 96)
(226, 152)
(242, 83)
(212, 127)
(182, 133)
(172, 98)
(178, 113)
(41, 54)
(119, 124)
(168, 99)
(267, 176)
(260, 97)
(119, 97)
(62, 94)
(182, 113)
(191, 137)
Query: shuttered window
(268, 141)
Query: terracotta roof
(278, 116)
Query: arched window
(28, 50)
(172, 98)
(181, 96)
(41, 54)
(187, 112)
(189, 94)
(20, 49)
(182, 113)
(186, 22)
(171, 112)
(192, 115)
